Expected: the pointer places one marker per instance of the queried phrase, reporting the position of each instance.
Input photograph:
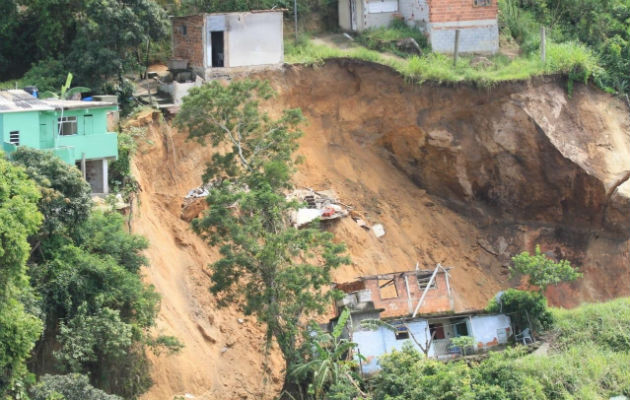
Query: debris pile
(319, 204)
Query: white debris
(319, 204)
(378, 230)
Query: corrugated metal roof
(17, 100)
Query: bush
(519, 304)
(68, 387)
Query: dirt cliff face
(457, 175)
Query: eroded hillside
(462, 176)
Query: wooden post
(456, 50)
(543, 44)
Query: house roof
(17, 100)
(391, 275)
(274, 10)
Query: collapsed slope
(462, 176)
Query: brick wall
(460, 10)
(436, 300)
(188, 46)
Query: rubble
(319, 204)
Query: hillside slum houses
(418, 304)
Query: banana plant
(66, 91)
(332, 361)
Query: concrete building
(476, 20)
(214, 43)
(419, 305)
(75, 131)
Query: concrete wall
(415, 12)
(373, 344)
(485, 329)
(27, 123)
(188, 39)
(479, 36)
(254, 39)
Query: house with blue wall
(418, 306)
(75, 131)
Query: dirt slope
(457, 175)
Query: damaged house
(419, 305)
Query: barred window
(482, 3)
(14, 137)
(67, 125)
(423, 281)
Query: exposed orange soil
(367, 139)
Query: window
(183, 30)
(387, 289)
(14, 138)
(423, 281)
(437, 331)
(482, 3)
(382, 6)
(461, 329)
(402, 332)
(67, 125)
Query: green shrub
(520, 304)
(68, 387)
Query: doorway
(216, 43)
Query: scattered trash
(378, 230)
(240, 320)
(319, 204)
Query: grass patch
(572, 59)
(385, 38)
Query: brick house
(439, 19)
(419, 305)
(215, 43)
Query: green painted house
(76, 131)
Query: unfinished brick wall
(436, 300)
(188, 39)
(460, 10)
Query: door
(45, 136)
(215, 28)
(216, 40)
(88, 124)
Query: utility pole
(295, 19)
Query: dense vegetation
(99, 41)
(72, 299)
(589, 358)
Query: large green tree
(85, 268)
(96, 40)
(274, 270)
(19, 329)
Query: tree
(18, 328)
(542, 270)
(526, 309)
(66, 197)
(275, 271)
